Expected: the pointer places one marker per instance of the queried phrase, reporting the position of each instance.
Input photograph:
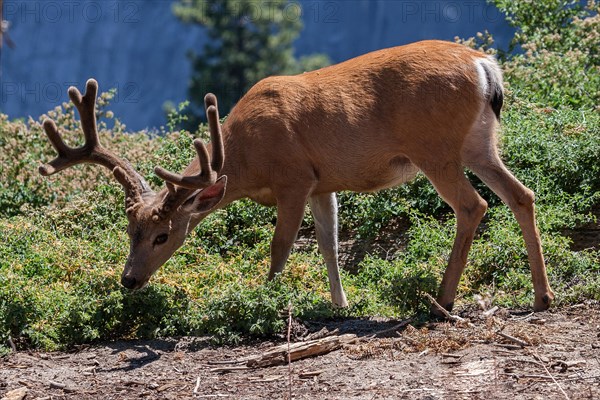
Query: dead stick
(291, 352)
(509, 346)
(56, 385)
(230, 369)
(551, 376)
(393, 329)
(310, 374)
(224, 362)
(289, 355)
(527, 376)
(442, 309)
(9, 340)
(518, 341)
(452, 355)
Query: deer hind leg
(324, 209)
(521, 202)
(456, 190)
(481, 156)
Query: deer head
(158, 221)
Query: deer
(366, 124)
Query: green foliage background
(63, 241)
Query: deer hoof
(543, 303)
(340, 302)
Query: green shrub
(64, 242)
(560, 60)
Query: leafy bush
(64, 242)
(560, 62)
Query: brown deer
(366, 124)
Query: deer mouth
(133, 283)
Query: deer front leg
(290, 211)
(324, 209)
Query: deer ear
(206, 199)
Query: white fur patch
(490, 65)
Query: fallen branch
(393, 329)
(279, 355)
(513, 339)
(62, 386)
(289, 354)
(508, 346)
(324, 332)
(565, 365)
(230, 369)
(452, 355)
(552, 377)
(263, 379)
(445, 312)
(490, 312)
(310, 374)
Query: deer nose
(128, 282)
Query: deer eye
(160, 239)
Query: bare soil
(549, 355)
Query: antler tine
(62, 161)
(68, 156)
(86, 106)
(91, 151)
(205, 178)
(216, 137)
(209, 167)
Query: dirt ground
(549, 355)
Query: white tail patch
(490, 75)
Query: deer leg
(469, 207)
(521, 202)
(290, 211)
(324, 209)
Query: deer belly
(263, 196)
(399, 170)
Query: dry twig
(513, 339)
(393, 329)
(289, 358)
(449, 316)
(552, 377)
(490, 312)
(310, 374)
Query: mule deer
(363, 125)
